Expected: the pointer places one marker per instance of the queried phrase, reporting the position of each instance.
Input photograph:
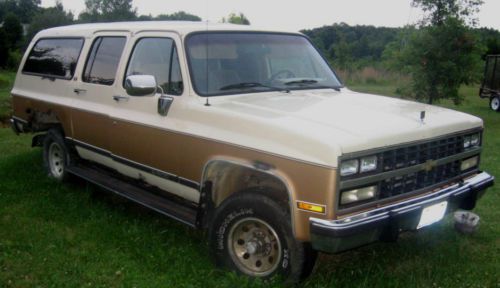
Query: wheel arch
(223, 178)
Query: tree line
(443, 51)
(354, 47)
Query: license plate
(432, 214)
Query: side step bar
(104, 179)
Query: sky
(292, 15)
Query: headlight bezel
(472, 141)
(361, 194)
(359, 165)
(354, 171)
(369, 167)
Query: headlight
(349, 167)
(466, 142)
(368, 164)
(469, 163)
(474, 140)
(471, 141)
(356, 195)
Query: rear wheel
(495, 103)
(55, 155)
(252, 235)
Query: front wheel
(495, 103)
(252, 235)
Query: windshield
(231, 63)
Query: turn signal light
(311, 207)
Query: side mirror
(141, 85)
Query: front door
(143, 143)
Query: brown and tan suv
(246, 134)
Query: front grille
(427, 164)
(415, 181)
(420, 153)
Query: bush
(4, 81)
(14, 60)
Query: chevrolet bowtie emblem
(429, 165)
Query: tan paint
(91, 128)
(186, 156)
(25, 108)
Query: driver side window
(157, 57)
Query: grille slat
(415, 181)
(420, 153)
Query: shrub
(13, 60)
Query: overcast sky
(297, 15)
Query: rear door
(93, 94)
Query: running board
(104, 179)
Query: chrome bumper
(386, 223)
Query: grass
(74, 235)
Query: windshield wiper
(251, 85)
(303, 81)
(312, 81)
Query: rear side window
(103, 60)
(55, 58)
(157, 57)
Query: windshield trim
(190, 70)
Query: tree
(442, 54)
(240, 19)
(108, 11)
(48, 18)
(13, 30)
(24, 9)
(178, 16)
(440, 10)
(352, 45)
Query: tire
(252, 235)
(56, 157)
(495, 103)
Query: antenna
(207, 103)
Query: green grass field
(75, 235)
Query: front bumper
(333, 236)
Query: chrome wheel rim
(254, 247)
(56, 160)
(495, 103)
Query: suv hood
(324, 124)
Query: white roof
(180, 27)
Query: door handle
(79, 91)
(119, 98)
